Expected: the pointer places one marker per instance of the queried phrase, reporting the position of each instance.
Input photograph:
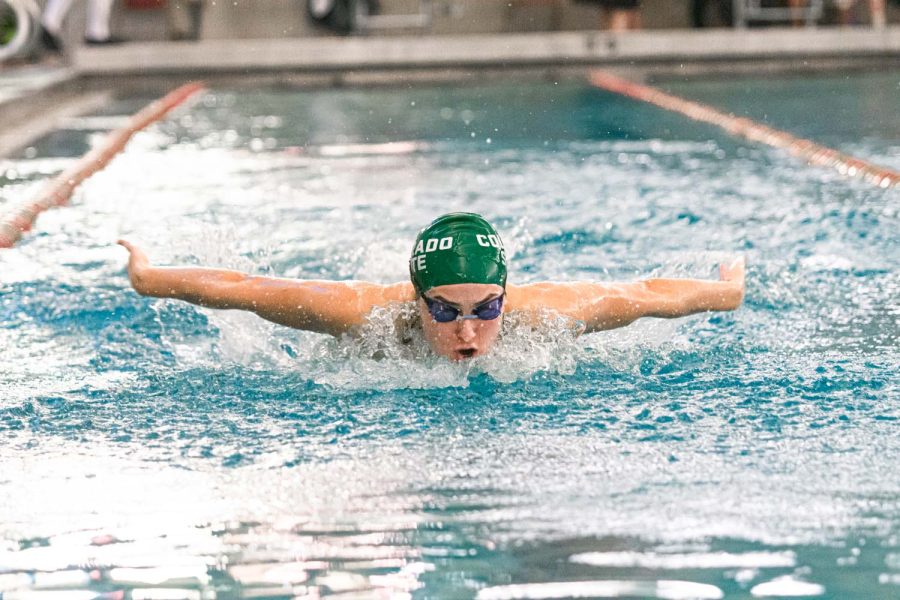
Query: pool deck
(36, 99)
(698, 48)
(33, 99)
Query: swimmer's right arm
(332, 307)
(601, 306)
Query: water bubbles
(231, 136)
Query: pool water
(152, 449)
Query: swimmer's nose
(465, 330)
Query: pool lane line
(21, 216)
(813, 153)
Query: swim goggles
(444, 313)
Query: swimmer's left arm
(601, 306)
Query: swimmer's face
(462, 338)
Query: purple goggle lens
(444, 313)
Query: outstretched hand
(733, 273)
(138, 264)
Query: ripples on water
(159, 450)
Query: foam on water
(695, 560)
(665, 589)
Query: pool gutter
(693, 50)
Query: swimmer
(458, 282)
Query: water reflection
(310, 560)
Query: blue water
(157, 450)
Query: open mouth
(466, 352)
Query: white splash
(699, 560)
(390, 352)
(663, 589)
(787, 586)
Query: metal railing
(753, 10)
(19, 28)
(418, 20)
(365, 16)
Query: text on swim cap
(429, 245)
(424, 246)
(432, 244)
(488, 241)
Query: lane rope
(811, 152)
(20, 217)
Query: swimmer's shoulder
(369, 295)
(387, 307)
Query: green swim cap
(457, 248)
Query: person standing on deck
(618, 15)
(96, 28)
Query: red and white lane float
(813, 153)
(20, 217)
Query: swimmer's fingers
(136, 256)
(733, 271)
(138, 264)
(732, 275)
(127, 245)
